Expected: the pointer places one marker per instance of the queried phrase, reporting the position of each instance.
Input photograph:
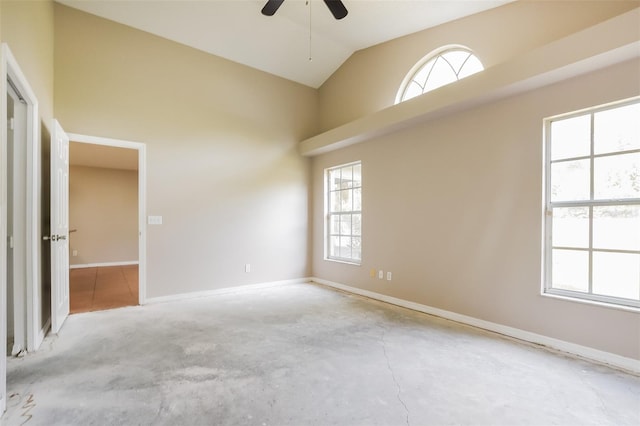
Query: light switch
(154, 220)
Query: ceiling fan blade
(271, 7)
(337, 8)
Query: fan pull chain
(309, 4)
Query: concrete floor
(302, 355)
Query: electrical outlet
(381, 274)
(154, 220)
(74, 253)
(247, 267)
(388, 276)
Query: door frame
(142, 200)
(9, 69)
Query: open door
(59, 227)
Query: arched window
(438, 69)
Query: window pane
(456, 58)
(617, 129)
(616, 227)
(420, 78)
(570, 270)
(357, 199)
(617, 176)
(412, 90)
(356, 251)
(334, 246)
(441, 74)
(345, 224)
(356, 222)
(335, 202)
(346, 179)
(345, 200)
(345, 247)
(334, 179)
(571, 227)
(472, 66)
(570, 180)
(357, 175)
(616, 274)
(571, 137)
(335, 224)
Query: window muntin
(344, 213)
(592, 174)
(445, 67)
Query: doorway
(108, 261)
(103, 217)
(16, 214)
(20, 234)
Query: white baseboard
(100, 265)
(624, 363)
(226, 290)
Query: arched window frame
(430, 56)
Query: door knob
(54, 237)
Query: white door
(59, 226)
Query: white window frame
(547, 289)
(329, 214)
(422, 62)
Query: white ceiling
(280, 44)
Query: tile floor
(97, 289)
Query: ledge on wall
(607, 43)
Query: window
(344, 213)
(437, 70)
(592, 221)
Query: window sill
(591, 302)
(346, 262)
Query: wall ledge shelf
(613, 41)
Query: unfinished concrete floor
(302, 355)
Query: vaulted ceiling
(302, 42)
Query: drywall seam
(620, 362)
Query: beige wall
(453, 208)
(27, 28)
(222, 163)
(369, 80)
(103, 207)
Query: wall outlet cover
(154, 220)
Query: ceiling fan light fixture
(336, 7)
(271, 7)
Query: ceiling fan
(335, 6)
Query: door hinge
(10, 123)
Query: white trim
(142, 200)
(422, 62)
(225, 290)
(624, 363)
(11, 69)
(43, 331)
(103, 264)
(547, 288)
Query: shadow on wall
(45, 179)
